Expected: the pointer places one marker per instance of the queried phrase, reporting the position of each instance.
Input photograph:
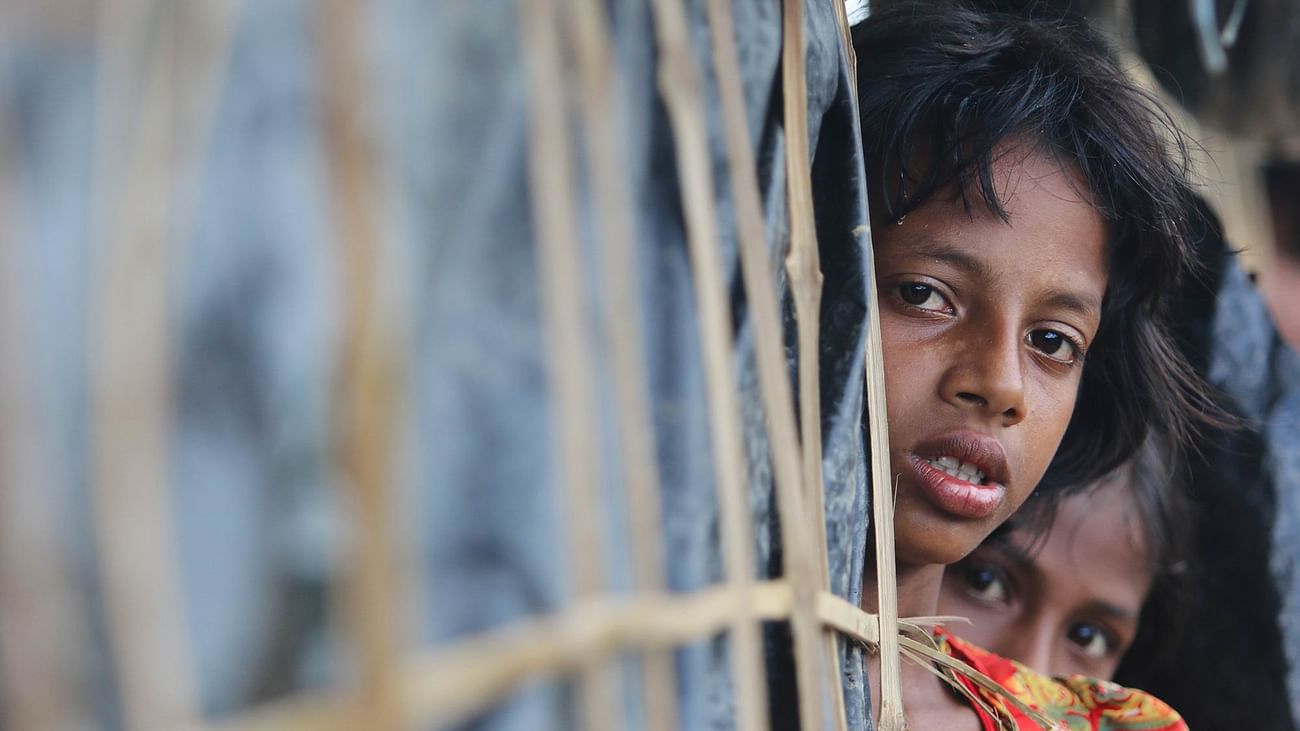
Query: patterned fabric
(1076, 703)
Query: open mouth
(966, 455)
(972, 496)
(961, 470)
(963, 474)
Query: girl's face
(985, 325)
(1065, 604)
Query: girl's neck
(927, 703)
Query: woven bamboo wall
(100, 625)
(210, 336)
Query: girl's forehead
(1054, 240)
(1097, 540)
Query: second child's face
(984, 326)
(1063, 604)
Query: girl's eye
(985, 583)
(1091, 639)
(1054, 344)
(923, 296)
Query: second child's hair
(1219, 600)
(1158, 479)
(943, 90)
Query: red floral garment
(1077, 703)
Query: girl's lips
(955, 495)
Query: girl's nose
(988, 376)
(1031, 642)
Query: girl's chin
(918, 545)
(931, 555)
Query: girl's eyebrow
(1026, 562)
(1080, 303)
(1113, 611)
(948, 254)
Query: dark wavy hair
(1223, 580)
(1158, 479)
(1213, 595)
(942, 86)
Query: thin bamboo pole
(759, 287)
(882, 515)
(846, 39)
(622, 320)
(42, 634)
(370, 373)
(451, 683)
(803, 265)
(302, 712)
(150, 135)
(131, 372)
(569, 362)
(596, 627)
(680, 86)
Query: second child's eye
(985, 583)
(922, 296)
(1054, 344)
(1092, 640)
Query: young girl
(1067, 600)
(1027, 217)
(1122, 582)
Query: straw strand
(369, 373)
(130, 399)
(622, 316)
(803, 265)
(563, 293)
(680, 86)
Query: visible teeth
(956, 468)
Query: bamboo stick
(367, 416)
(803, 266)
(131, 373)
(596, 627)
(150, 132)
(42, 634)
(882, 514)
(622, 322)
(301, 712)
(680, 86)
(891, 703)
(448, 684)
(759, 285)
(563, 294)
